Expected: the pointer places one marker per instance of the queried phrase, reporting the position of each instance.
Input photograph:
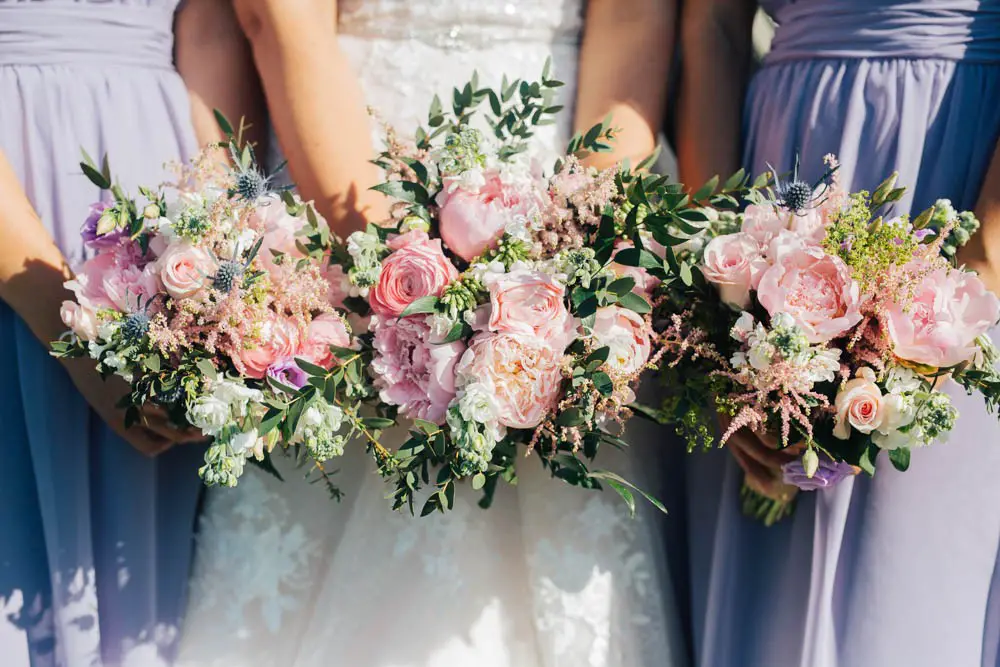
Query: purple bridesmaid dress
(95, 539)
(895, 571)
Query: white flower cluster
(784, 342)
(366, 249)
(914, 416)
(217, 413)
(474, 426)
(318, 430)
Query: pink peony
(416, 269)
(279, 230)
(131, 288)
(859, 405)
(950, 309)
(626, 334)
(473, 219)
(80, 319)
(532, 303)
(765, 222)
(88, 284)
(339, 286)
(644, 283)
(522, 371)
(413, 372)
(279, 341)
(732, 262)
(325, 330)
(762, 223)
(816, 290)
(185, 270)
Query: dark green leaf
(311, 368)
(603, 384)
(377, 423)
(622, 286)
(570, 417)
(635, 303)
(407, 191)
(425, 304)
(900, 458)
(224, 124)
(612, 477)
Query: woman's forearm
(716, 42)
(982, 253)
(624, 65)
(32, 269)
(214, 59)
(316, 106)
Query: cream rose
(185, 270)
(859, 405)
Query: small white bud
(151, 212)
(810, 462)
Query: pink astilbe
(578, 197)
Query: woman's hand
(759, 456)
(155, 436)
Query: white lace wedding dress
(550, 576)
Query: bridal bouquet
(212, 298)
(499, 321)
(812, 317)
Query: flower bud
(810, 462)
(151, 212)
(414, 223)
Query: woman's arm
(214, 59)
(624, 65)
(982, 253)
(716, 43)
(316, 105)
(32, 273)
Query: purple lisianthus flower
(828, 474)
(288, 373)
(89, 232)
(921, 234)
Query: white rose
(236, 395)
(477, 404)
(743, 327)
(208, 413)
(248, 443)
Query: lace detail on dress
(464, 24)
(254, 559)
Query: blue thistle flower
(135, 326)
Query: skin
(212, 60)
(716, 38)
(624, 66)
(316, 106)
(982, 253)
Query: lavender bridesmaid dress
(897, 570)
(95, 539)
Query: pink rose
(413, 372)
(185, 270)
(859, 405)
(816, 290)
(325, 330)
(626, 334)
(88, 284)
(473, 219)
(279, 341)
(532, 303)
(644, 283)
(951, 308)
(80, 319)
(415, 270)
(732, 262)
(523, 373)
